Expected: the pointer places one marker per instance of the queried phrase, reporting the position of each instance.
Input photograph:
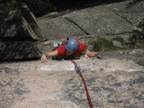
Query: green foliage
(120, 39)
(38, 7)
(102, 44)
(12, 3)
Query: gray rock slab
(111, 82)
(106, 65)
(17, 50)
(100, 20)
(115, 18)
(58, 28)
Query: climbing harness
(79, 72)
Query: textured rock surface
(18, 50)
(116, 81)
(109, 19)
(113, 82)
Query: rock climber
(71, 49)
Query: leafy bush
(120, 39)
(102, 44)
(38, 7)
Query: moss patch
(102, 44)
(120, 39)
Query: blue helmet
(72, 44)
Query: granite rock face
(109, 19)
(115, 81)
(18, 50)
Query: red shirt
(62, 51)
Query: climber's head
(72, 45)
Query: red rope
(77, 68)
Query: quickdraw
(78, 70)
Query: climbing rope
(78, 70)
